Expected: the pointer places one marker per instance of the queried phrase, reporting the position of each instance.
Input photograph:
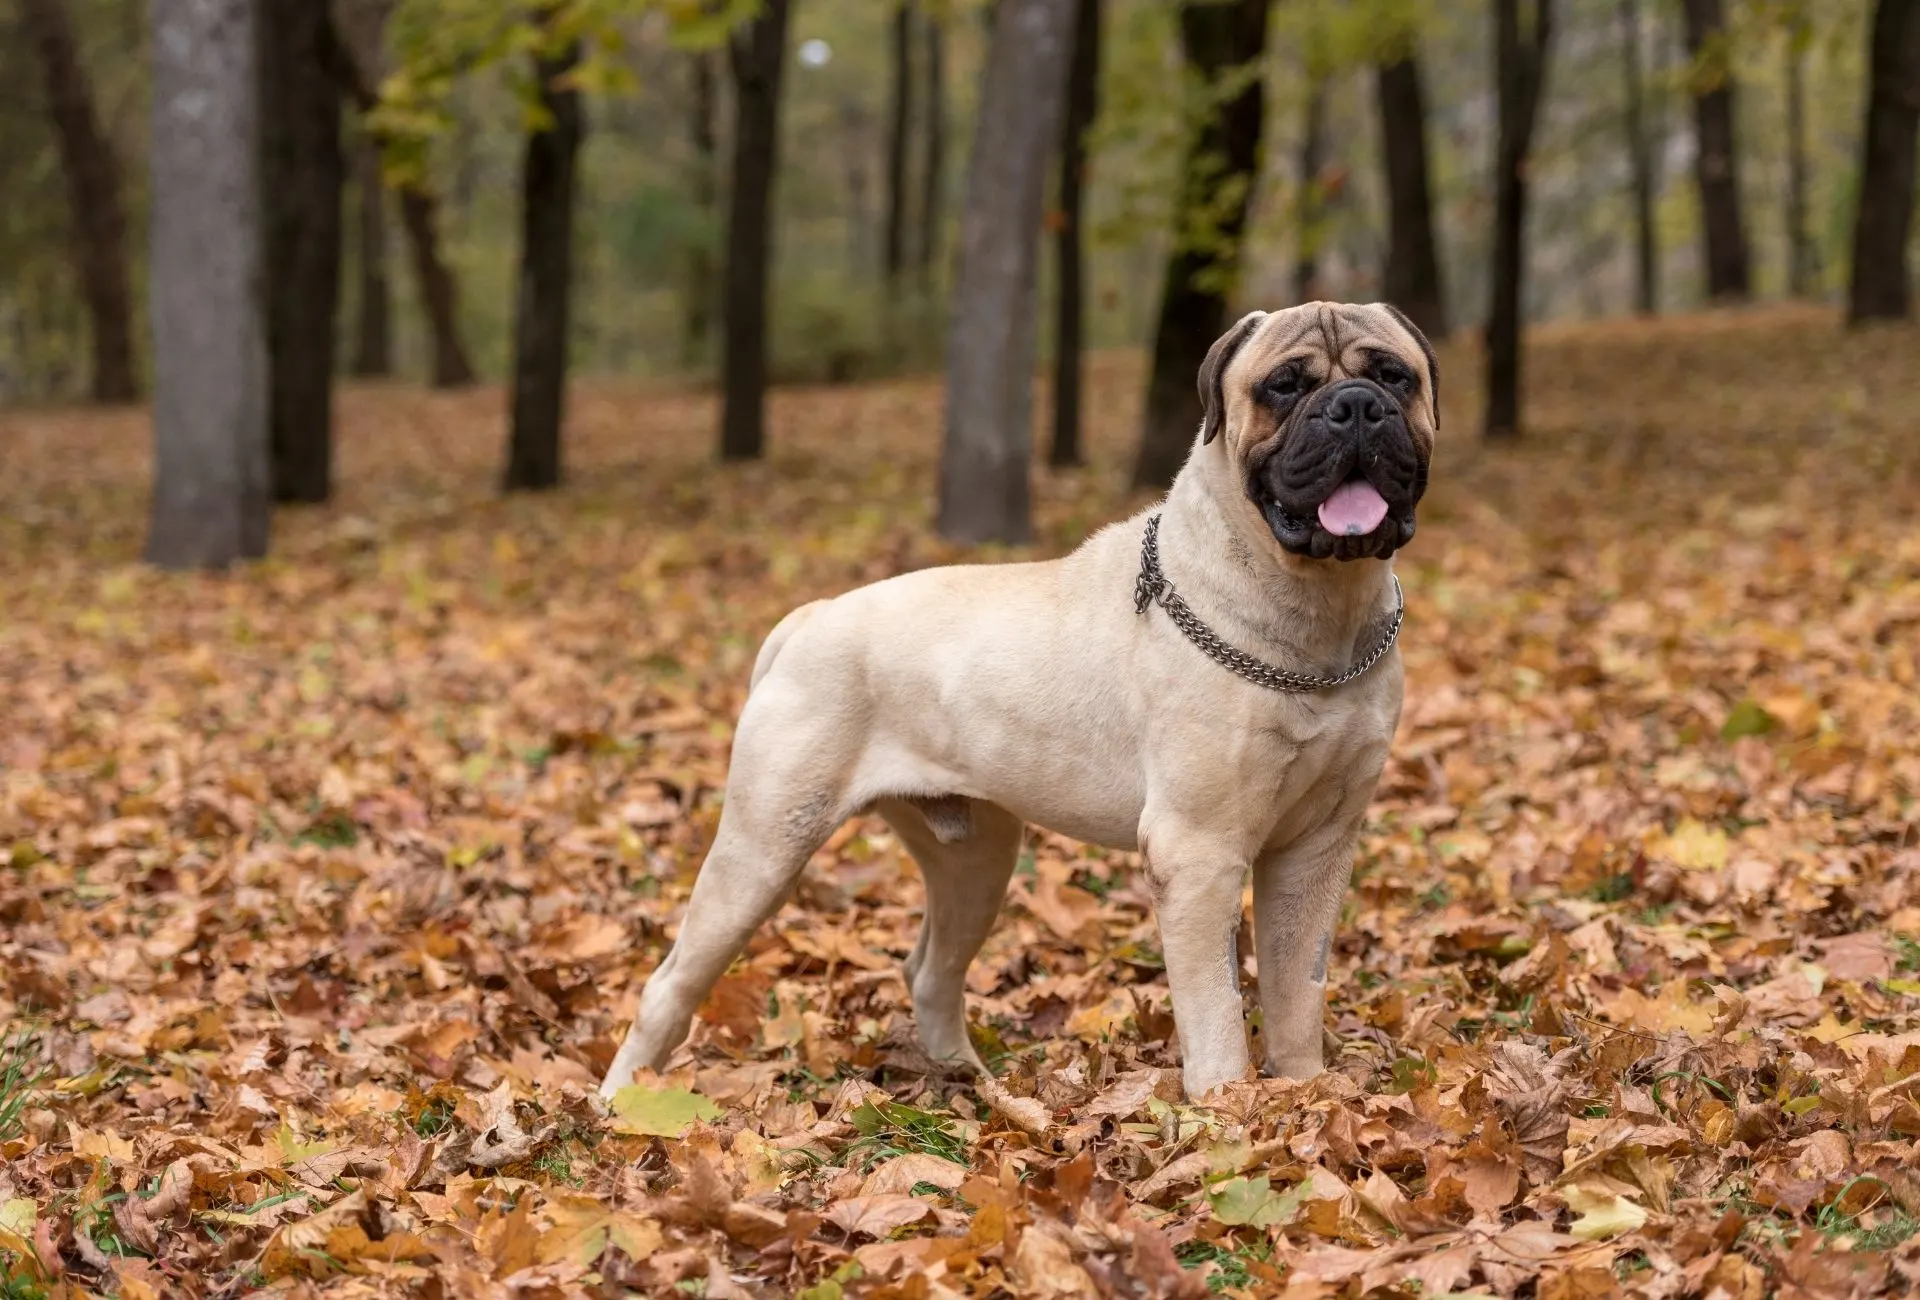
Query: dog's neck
(1312, 616)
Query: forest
(414, 415)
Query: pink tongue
(1354, 510)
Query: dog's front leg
(1197, 882)
(1297, 893)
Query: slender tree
(303, 174)
(758, 52)
(1222, 44)
(933, 174)
(1083, 105)
(547, 187)
(899, 129)
(359, 26)
(1412, 281)
(211, 495)
(98, 220)
(1802, 262)
(1523, 38)
(985, 455)
(1307, 215)
(1716, 153)
(373, 327)
(1881, 285)
(703, 185)
(1640, 164)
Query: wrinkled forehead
(1339, 336)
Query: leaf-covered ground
(326, 888)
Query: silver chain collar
(1152, 587)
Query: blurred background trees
(772, 191)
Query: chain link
(1152, 587)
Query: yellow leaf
(1693, 845)
(1602, 1213)
(659, 1112)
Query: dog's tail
(782, 632)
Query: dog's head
(1328, 411)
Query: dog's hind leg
(966, 852)
(776, 815)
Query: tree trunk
(1222, 163)
(1880, 230)
(546, 276)
(899, 124)
(98, 219)
(439, 293)
(1520, 64)
(1083, 104)
(933, 124)
(697, 328)
(1800, 255)
(359, 26)
(759, 50)
(303, 176)
(1412, 280)
(984, 458)
(373, 330)
(1640, 163)
(1307, 214)
(1716, 154)
(211, 495)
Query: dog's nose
(1354, 409)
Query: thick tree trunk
(703, 185)
(1881, 288)
(1640, 164)
(899, 126)
(1083, 104)
(303, 177)
(98, 218)
(1412, 281)
(546, 277)
(933, 125)
(1307, 214)
(1223, 158)
(985, 456)
(759, 50)
(211, 495)
(1716, 153)
(1520, 64)
(373, 328)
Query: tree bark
(1306, 216)
(1222, 162)
(697, 326)
(986, 452)
(758, 52)
(1716, 153)
(1880, 288)
(546, 275)
(1412, 280)
(211, 496)
(303, 177)
(899, 126)
(933, 125)
(373, 329)
(1520, 64)
(96, 212)
(1640, 164)
(1082, 106)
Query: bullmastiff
(1212, 682)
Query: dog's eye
(1285, 382)
(1395, 377)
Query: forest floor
(327, 887)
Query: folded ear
(1213, 398)
(1433, 366)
